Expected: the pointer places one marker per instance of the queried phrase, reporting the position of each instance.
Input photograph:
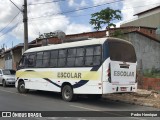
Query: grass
(152, 73)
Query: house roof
(20, 45)
(153, 38)
(71, 35)
(140, 13)
(128, 29)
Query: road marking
(84, 108)
(105, 112)
(12, 92)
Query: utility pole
(25, 20)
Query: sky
(69, 16)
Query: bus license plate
(123, 89)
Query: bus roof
(92, 41)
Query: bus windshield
(122, 51)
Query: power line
(47, 2)
(79, 9)
(15, 5)
(9, 22)
(8, 40)
(33, 19)
(29, 11)
(9, 30)
(15, 27)
(59, 17)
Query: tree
(105, 16)
(118, 34)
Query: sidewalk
(141, 97)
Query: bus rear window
(122, 51)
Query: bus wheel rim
(22, 87)
(67, 94)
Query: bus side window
(39, 59)
(80, 57)
(62, 58)
(31, 60)
(97, 55)
(71, 57)
(89, 56)
(46, 58)
(54, 58)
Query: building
(11, 57)
(147, 46)
(147, 18)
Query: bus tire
(21, 87)
(67, 93)
(4, 83)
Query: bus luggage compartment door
(123, 73)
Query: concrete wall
(17, 54)
(147, 51)
(147, 21)
(2, 61)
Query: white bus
(91, 67)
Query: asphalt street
(11, 100)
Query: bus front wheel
(67, 93)
(21, 87)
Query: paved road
(11, 100)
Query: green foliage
(153, 73)
(118, 34)
(105, 16)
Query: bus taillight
(136, 78)
(109, 74)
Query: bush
(153, 73)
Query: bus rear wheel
(67, 93)
(21, 87)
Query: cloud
(8, 11)
(79, 4)
(40, 25)
(97, 2)
(77, 28)
(135, 6)
(70, 2)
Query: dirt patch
(142, 97)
